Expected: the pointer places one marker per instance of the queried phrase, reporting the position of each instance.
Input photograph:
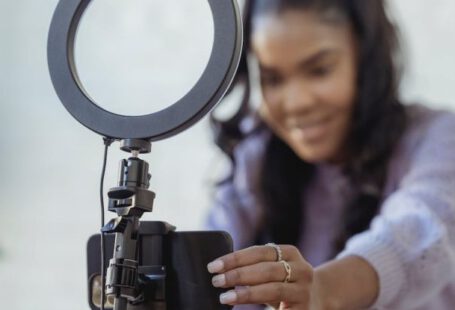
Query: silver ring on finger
(288, 269)
(278, 251)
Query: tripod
(152, 267)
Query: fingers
(245, 257)
(269, 293)
(251, 275)
(263, 273)
(250, 256)
(260, 279)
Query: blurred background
(133, 57)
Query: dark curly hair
(378, 122)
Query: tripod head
(132, 197)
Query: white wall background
(50, 165)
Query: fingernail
(219, 280)
(215, 266)
(228, 298)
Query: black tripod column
(129, 200)
(121, 280)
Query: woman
(356, 188)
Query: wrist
(324, 298)
(346, 283)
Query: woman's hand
(260, 278)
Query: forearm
(349, 283)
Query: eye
(321, 71)
(270, 79)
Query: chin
(314, 155)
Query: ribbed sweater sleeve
(411, 243)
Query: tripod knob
(137, 145)
(115, 225)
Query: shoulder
(256, 134)
(253, 145)
(424, 121)
(249, 155)
(428, 130)
(427, 142)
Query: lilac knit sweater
(411, 243)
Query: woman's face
(308, 73)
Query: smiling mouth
(314, 130)
(302, 125)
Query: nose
(298, 98)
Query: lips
(301, 124)
(309, 131)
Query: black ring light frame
(207, 92)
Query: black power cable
(107, 143)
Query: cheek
(273, 96)
(273, 118)
(340, 97)
(270, 109)
(339, 91)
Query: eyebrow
(306, 62)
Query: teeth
(303, 125)
(299, 132)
